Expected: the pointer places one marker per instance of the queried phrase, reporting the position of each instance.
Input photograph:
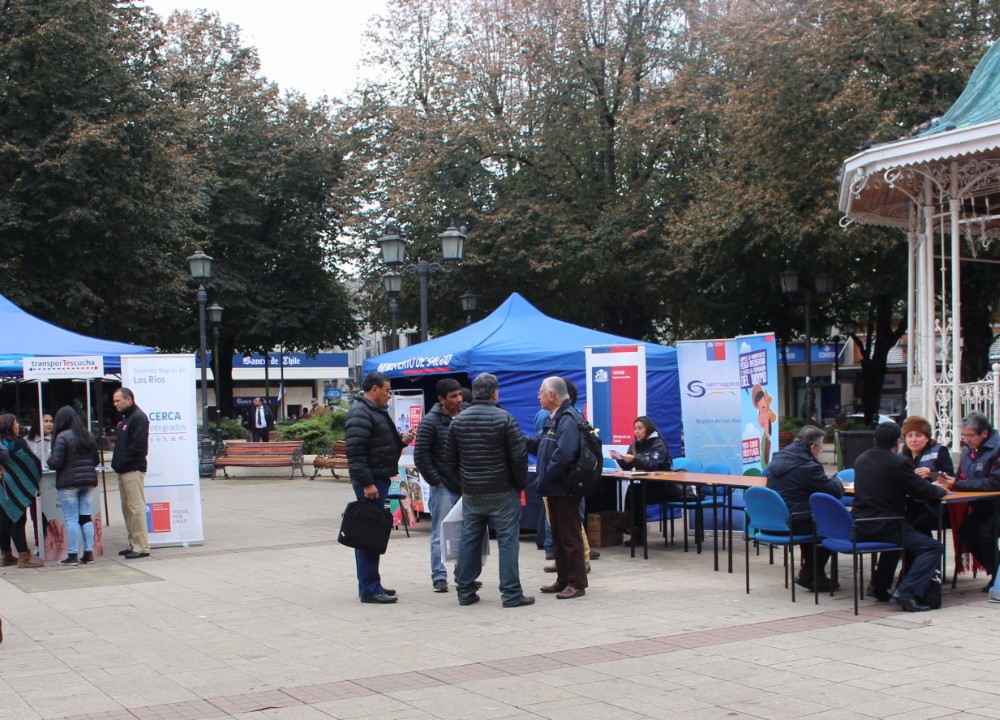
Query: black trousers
(979, 535)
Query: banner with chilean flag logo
(616, 389)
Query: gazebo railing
(981, 396)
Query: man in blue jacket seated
(795, 473)
(883, 480)
(979, 470)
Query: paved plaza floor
(263, 622)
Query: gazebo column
(956, 311)
(912, 268)
(928, 308)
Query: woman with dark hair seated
(648, 453)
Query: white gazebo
(942, 188)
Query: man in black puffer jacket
(486, 452)
(373, 446)
(429, 458)
(795, 473)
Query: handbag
(365, 526)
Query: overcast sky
(312, 46)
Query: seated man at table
(979, 470)
(883, 480)
(795, 473)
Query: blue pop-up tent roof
(522, 346)
(23, 335)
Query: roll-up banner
(164, 388)
(710, 401)
(616, 392)
(758, 363)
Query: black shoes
(440, 586)
(380, 599)
(124, 552)
(131, 555)
(88, 557)
(909, 604)
(70, 559)
(471, 600)
(878, 594)
(595, 554)
(387, 591)
(520, 602)
(823, 583)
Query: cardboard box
(604, 528)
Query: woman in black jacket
(648, 453)
(74, 458)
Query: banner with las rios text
(710, 401)
(758, 372)
(164, 388)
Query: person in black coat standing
(261, 421)
(487, 454)
(373, 446)
(74, 458)
(429, 459)
(883, 480)
(129, 460)
(795, 473)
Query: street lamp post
(200, 265)
(393, 248)
(468, 300)
(215, 317)
(393, 313)
(790, 287)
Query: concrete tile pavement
(263, 621)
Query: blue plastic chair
(837, 529)
(709, 498)
(768, 521)
(846, 476)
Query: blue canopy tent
(522, 347)
(23, 335)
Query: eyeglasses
(969, 435)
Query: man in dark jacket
(261, 421)
(429, 458)
(373, 446)
(129, 461)
(486, 453)
(882, 482)
(557, 448)
(795, 473)
(979, 470)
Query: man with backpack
(557, 448)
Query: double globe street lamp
(791, 287)
(200, 266)
(393, 248)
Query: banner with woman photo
(758, 376)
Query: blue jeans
(926, 552)
(77, 502)
(477, 510)
(369, 582)
(440, 503)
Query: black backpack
(584, 476)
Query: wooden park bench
(332, 461)
(269, 454)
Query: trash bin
(852, 443)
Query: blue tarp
(23, 335)
(522, 346)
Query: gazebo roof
(880, 185)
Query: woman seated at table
(929, 460)
(648, 453)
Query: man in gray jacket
(487, 454)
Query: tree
(271, 165)
(95, 196)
